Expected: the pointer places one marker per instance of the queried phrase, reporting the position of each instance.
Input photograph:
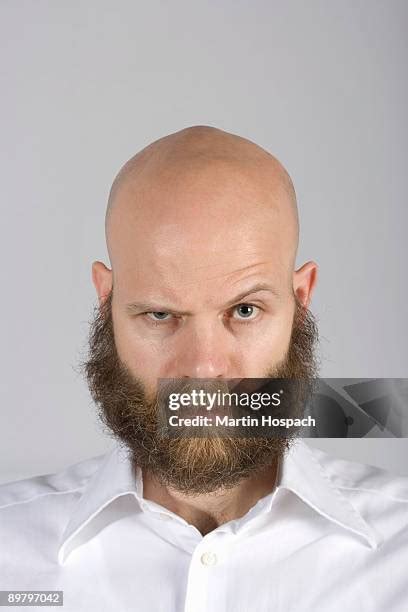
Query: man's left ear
(304, 281)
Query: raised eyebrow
(139, 307)
(255, 289)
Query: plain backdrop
(84, 85)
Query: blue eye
(246, 311)
(161, 316)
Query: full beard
(191, 465)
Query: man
(202, 233)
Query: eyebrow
(139, 307)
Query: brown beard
(190, 465)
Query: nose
(204, 352)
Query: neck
(208, 511)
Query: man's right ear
(102, 280)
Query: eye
(158, 317)
(247, 312)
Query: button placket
(206, 559)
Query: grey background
(86, 84)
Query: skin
(195, 222)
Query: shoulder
(357, 476)
(69, 482)
(378, 495)
(33, 515)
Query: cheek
(139, 353)
(273, 342)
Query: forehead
(196, 268)
(198, 228)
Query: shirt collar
(302, 473)
(113, 478)
(299, 471)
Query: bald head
(198, 172)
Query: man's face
(201, 295)
(196, 295)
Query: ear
(102, 280)
(304, 281)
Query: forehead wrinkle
(227, 274)
(169, 295)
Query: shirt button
(208, 558)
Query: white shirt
(332, 536)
